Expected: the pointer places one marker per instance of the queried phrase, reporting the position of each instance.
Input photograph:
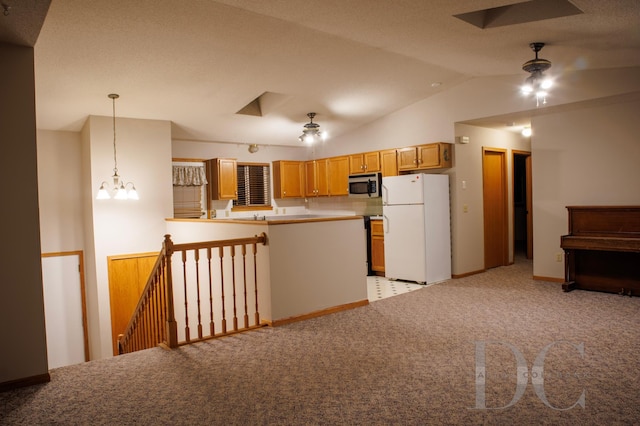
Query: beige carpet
(416, 358)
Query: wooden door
(128, 275)
(494, 184)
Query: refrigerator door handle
(385, 195)
(385, 224)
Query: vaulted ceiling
(198, 63)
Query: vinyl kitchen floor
(381, 287)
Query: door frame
(505, 195)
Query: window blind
(254, 188)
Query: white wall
(115, 227)
(468, 228)
(588, 156)
(23, 351)
(60, 191)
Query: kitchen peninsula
(312, 264)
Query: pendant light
(121, 190)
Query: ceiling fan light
(311, 131)
(537, 83)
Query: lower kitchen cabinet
(377, 247)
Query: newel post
(172, 325)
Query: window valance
(189, 176)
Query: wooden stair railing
(154, 321)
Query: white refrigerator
(417, 232)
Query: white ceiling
(196, 63)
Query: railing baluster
(186, 300)
(224, 310)
(196, 254)
(244, 283)
(255, 280)
(212, 330)
(172, 325)
(233, 280)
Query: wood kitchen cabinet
(316, 178)
(368, 162)
(388, 163)
(431, 156)
(222, 177)
(377, 247)
(338, 175)
(288, 179)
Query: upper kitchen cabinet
(288, 179)
(338, 175)
(431, 156)
(389, 162)
(316, 178)
(367, 162)
(222, 178)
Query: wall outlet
(558, 257)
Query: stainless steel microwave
(365, 185)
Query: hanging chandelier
(537, 83)
(311, 132)
(120, 190)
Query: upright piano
(602, 249)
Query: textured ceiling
(197, 63)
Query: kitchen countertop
(275, 220)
